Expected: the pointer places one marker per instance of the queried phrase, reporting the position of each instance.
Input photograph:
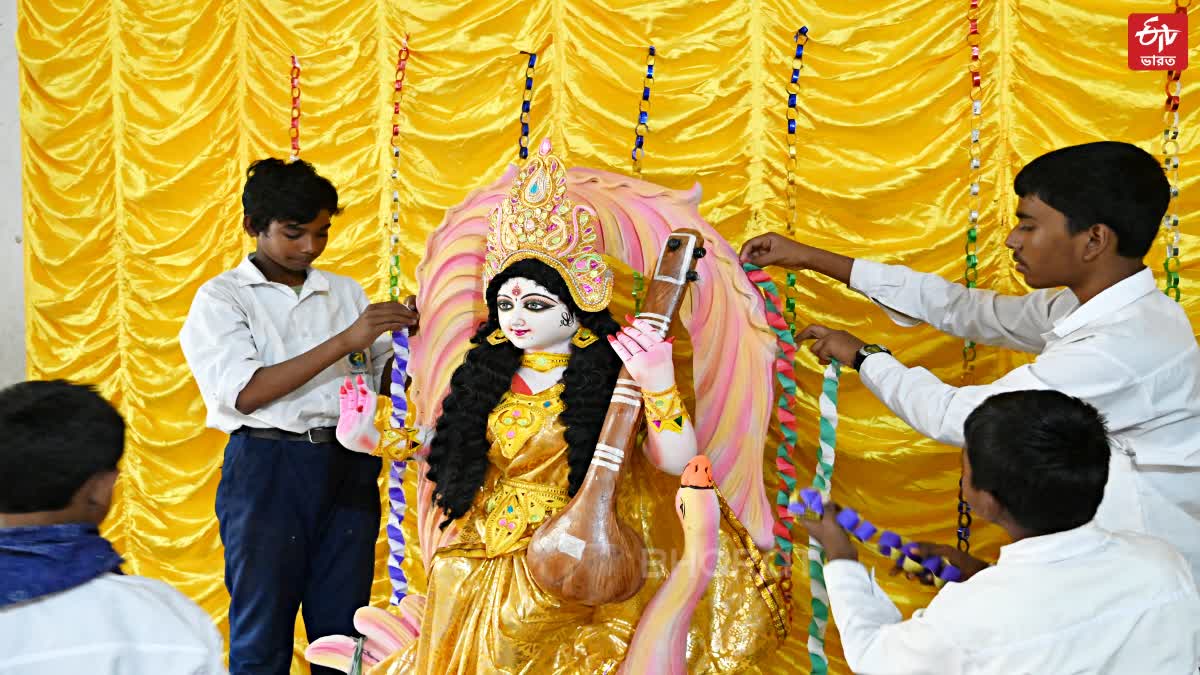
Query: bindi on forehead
(516, 290)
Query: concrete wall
(12, 286)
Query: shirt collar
(1050, 548)
(1110, 300)
(248, 274)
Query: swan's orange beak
(697, 474)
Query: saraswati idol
(550, 528)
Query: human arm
(775, 249)
(935, 409)
(220, 350)
(875, 638)
(271, 383)
(910, 297)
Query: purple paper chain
(395, 533)
(863, 530)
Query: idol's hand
(646, 354)
(356, 422)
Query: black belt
(318, 435)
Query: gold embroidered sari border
(767, 588)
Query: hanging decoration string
(1170, 153)
(401, 438)
(793, 114)
(526, 104)
(294, 131)
(785, 355)
(974, 208)
(822, 483)
(641, 128)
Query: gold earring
(584, 337)
(497, 337)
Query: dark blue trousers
(299, 522)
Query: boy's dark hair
(1117, 184)
(57, 435)
(1042, 454)
(290, 192)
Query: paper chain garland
(1170, 153)
(294, 131)
(396, 501)
(890, 545)
(785, 374)
(642, 127)
(526, 104)
(822, 482)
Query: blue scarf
(39, 561)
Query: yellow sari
(485, 614)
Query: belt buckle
(308, 434)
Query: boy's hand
(969, 565)
(411, 303)
(774, 249)
(831, 344)
(377, 319)
(832, 537)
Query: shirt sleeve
(910, 298)
(219, 348)
(875, 639)
(939, 410)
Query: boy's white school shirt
(1082, 602)
(240, 322)
(112, 625)
(1130, 352)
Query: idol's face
(534, 319)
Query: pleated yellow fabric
(140, 116)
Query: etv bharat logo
(1158, 41)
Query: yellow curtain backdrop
(140, 116)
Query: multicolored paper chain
(641, 128)
(397, 503)
(822, 483)
(1170, 152)
(974, 209)
(901, 551)
(975, 165)
(294, 132)
(793, 114)
(526, 104)
(785, 374)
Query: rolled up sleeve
(219, 349)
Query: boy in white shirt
(1066, 597)
(65, 606)
(1087, 216)
(270, 343)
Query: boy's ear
(247, 228)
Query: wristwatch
(866, 351)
